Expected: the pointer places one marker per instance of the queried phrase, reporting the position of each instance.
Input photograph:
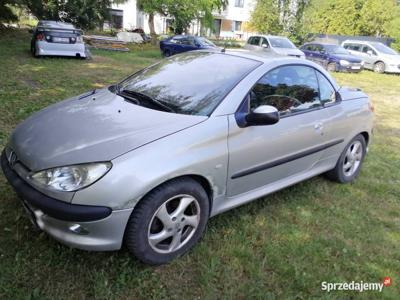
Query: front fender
(199, 150)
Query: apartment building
(232, 22)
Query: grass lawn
(279, 247)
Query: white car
(53, 38)
(276, 45)
(376, 56)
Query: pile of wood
(105, 43)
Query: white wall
(133, 18)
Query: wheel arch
(202, 180)
(365, 134)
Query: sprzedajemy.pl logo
(356, 286)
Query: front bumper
(392, 68)
(80, 226)
(352, 68)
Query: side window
(250, 40)
(290, 89)
(256, 41)
(264, 41)
(354, 47)
(327, 93)
(367, 48)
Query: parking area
(290, 242)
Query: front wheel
(168, 221)
(350, 161)
(379, 67)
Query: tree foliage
(182, 12)
(85, 14)
(279, 17)
(6, 13)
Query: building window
(116, 18)
(239, 3)
(237, 25)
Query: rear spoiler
(44, 29)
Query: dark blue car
(183, 43)
(332, 57)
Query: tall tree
(86, 14)
(151, 8)
(265, 17)
(6, 13)
(375, 15)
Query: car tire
(379, 67)
(331, 67)
(350, 161)
(167, 53)
(167, 222)
(33, 51)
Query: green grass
(282, 246)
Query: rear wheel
(168, 221)
(350, 161)
(331, 67)
(167, 53)
(379, 67)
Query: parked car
(147, 161)
(53, 38)
(277, 45)
(182, 43)
(377, 56)
(334, 58)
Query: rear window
(191, 83)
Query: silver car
(275, 45)
(376, 56)
(53, 38)
(149, 160)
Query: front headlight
(344, 62)
(362, 63)
(70, 178)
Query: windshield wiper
(132, 95)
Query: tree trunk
(152, 30)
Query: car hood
(289, 51)
(97, 127)
(392, 58)
(348, 57)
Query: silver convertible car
(148, 161)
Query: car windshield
(335, 49)
(192, 83)
(204, 42)
(281, 43)
(384, 49)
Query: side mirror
(369, 52)
(264, 45)
(263, 115)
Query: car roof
(55, 24)
(270, 36)
(356, 41)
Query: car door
(255, 43)
(369, 56)
(263, 155)
(319, 55)
(311, 52)
(265, 45)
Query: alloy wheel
(174, 223)
(352, 160)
